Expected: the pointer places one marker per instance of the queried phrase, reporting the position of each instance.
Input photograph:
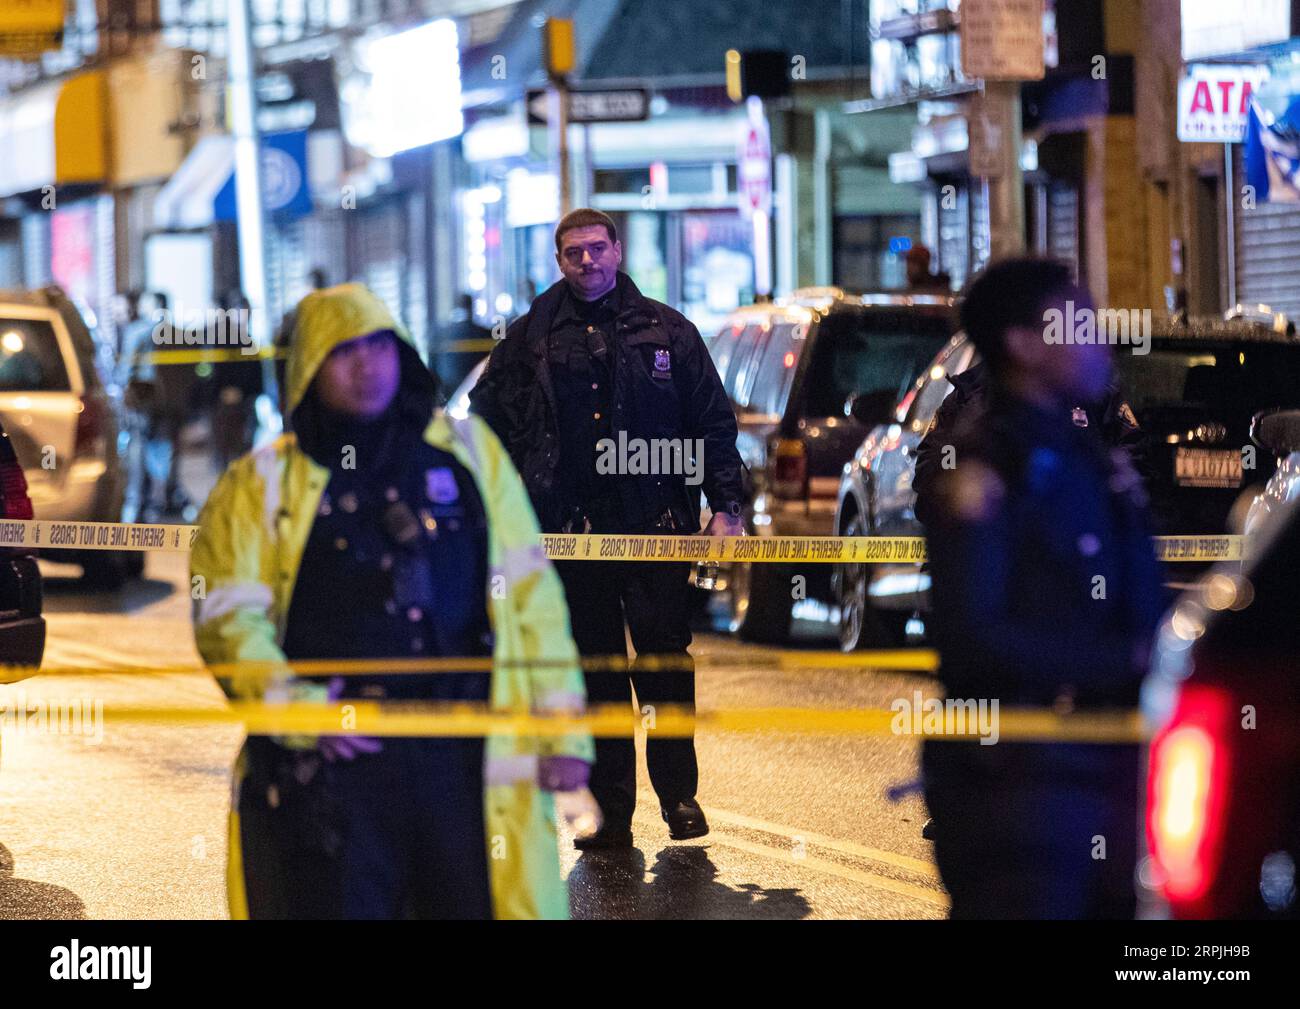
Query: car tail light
(92, 427)
(790, 470)
(1186, 794)
(13, 490)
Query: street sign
(30, 27)
(625, 105)
(987, 128)
(754, 167)
(1002, 40)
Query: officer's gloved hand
(725, 525)
(332, 748)
(562, 774)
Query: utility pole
(248, 179)
(1000, 106)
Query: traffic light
(761, 73)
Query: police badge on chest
(663, 364)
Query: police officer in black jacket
(1113, 417)
(1046, 593)
(613, 413)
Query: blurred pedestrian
(464, 342)
(382, 529)
(919, 278)
(236, 380)
(157, 393)
(594, 364)
(1046, 593)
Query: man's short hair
(1010, 293)
(584, 217)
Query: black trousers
(653, 600)
(1033, 831)
(396, 834)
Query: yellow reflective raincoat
(253, 531)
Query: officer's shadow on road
(27, 899)
(683, 884)
(69, 594)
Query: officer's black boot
(685, 820)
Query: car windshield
(868, 351)
(1224, 382)
(30, 358)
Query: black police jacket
(1044, 579)
(664, 386)
(1113, 417)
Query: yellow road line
(921, 893)
(915, 865)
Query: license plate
(1203, 467)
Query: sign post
(1001, 42)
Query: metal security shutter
(36, 249)
(325, 245)
(1063, 224)
(1268, 257)
(105, 274)
(381, 251)
(293, 264)
(414, 308)
(954, 234)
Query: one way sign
(626, 105)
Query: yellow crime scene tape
(43, 534)
(403, 718)
(413, 718)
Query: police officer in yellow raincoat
(381, 528)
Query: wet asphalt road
(129, 822)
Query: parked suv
(1195, 395)
(63, 420)
(808, 376)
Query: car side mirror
(873, 408)
(1278, 431)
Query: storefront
(669, 184)
(56, 141)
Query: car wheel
(760, 602)
(861, 626)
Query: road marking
(916, 865)
(936, 897)
(833, 869)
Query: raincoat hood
(332, 316)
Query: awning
(186, 200)
(203, 189)
(54, 135)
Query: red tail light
(92, 427)
(790, 468)
(1186, 795)
(13, 491)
